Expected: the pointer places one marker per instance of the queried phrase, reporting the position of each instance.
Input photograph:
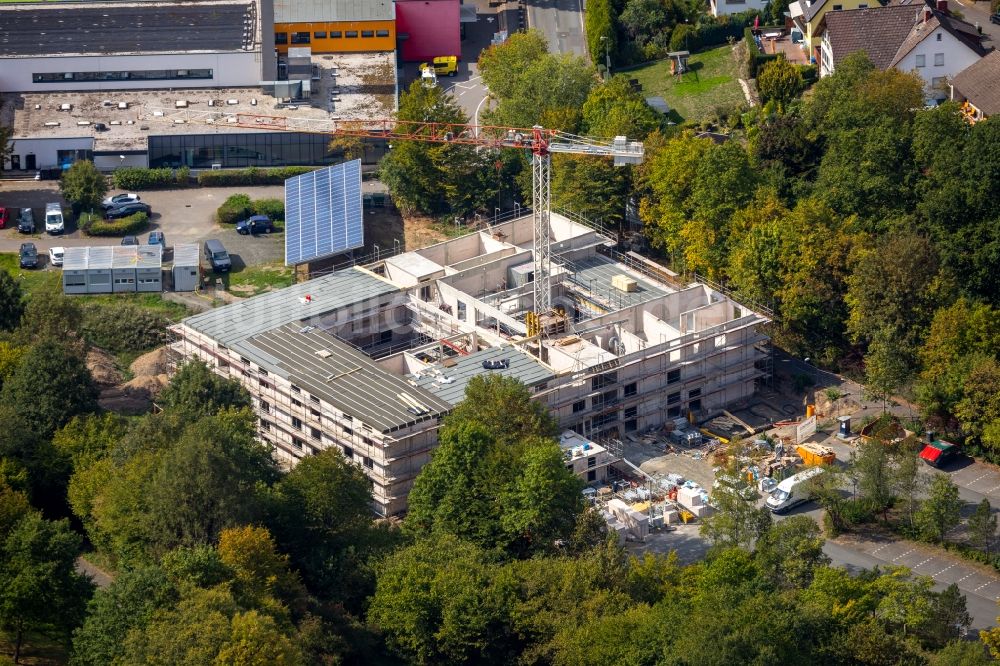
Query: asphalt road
(561, 21)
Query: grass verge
(253, 280)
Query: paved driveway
(183, 215)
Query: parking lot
(184, 216)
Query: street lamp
(607, 56)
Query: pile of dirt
(150, 363)
(103, 367)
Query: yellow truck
(442, 65)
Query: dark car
(995, 18)
(126, 209)
(255, 225)
(29, 255)
(26, 222)
(130, 240)
(217, 256)
(157, 238)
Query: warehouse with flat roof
(104, 46)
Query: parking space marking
(876, 551)
(899, 557)
(984, 585)
(943, 570)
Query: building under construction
(370, 358)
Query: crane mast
(542, 143)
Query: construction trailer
(370, 358)
(185, 273)
(149, 268)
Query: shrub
(273, 208)
(123, 328)
(857, 511)
(237, 207)
(138, 178)
(251, 176)
(810, 74)
(126, 226)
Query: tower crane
(540, 141)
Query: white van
(792, 491)
(54, 219)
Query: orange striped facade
(336, 36)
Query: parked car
(255, 225)
(4, 217)
(157, 238)
(29, 255)
(56, 256)
(120, 199)
(995, 18)
(26, 222)
(54, 223)
(126, 209)
(793, 491)
(442, 65)
(217, 256)
(130, 240)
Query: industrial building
(369, 359)
(113, 269)
(102, 46)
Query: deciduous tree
(11, 302)
(49, 387)
(83, 186)
(39, 586)
(780, 81)
(941, 511)
(197, 391)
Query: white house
(724, 7)
(910, 37)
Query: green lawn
(711, 82)
(31, 280)
(253, 280)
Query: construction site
(370, 358)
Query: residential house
(725, 7)
(978, 88)
(808, 16)
(910, 37)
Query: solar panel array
(323, 213)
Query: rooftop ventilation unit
(181, 104)
(324, 353)
(52, 123)
(122, 105)
(66, 107)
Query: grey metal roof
(123, 256)
(99, 257)
(450, 384)
(333, 371)
(239, 321)
(75, 258)
(144, 27)
(301, 11)
(187, 254)
(149, 256)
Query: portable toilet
(149, 268)
(123, 262)
(187, 259)
(75, 270)
(98, 269)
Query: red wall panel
(433, 27)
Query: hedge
(757, 58)
(810, 74)
(239, 207)
(138, 178)
(251, 176)
(93, 225)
